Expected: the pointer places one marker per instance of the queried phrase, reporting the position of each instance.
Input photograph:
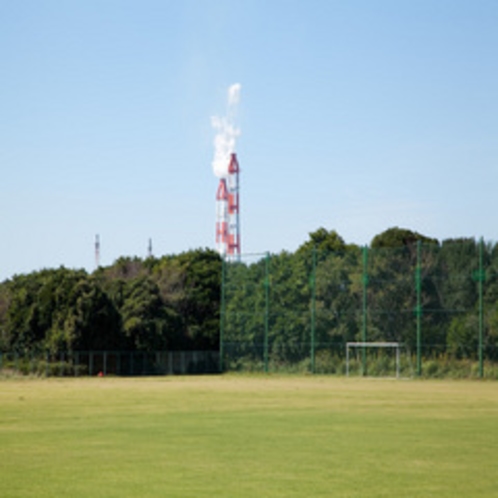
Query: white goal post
(394, 345)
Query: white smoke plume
(234, 95)
(227, 133)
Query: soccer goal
(356, 347)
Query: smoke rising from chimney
(234, 94)
(227, 132)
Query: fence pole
(267, 309)
(313, 309)
(481, 311)
(364, 310)
(418, 309)
(222, 314)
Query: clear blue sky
(355, 116)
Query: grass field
(247, 436)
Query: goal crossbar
(395, 345)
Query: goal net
(386, 360)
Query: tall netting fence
(298, 311)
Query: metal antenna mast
(97, 251)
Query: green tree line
(168, 303)
(327, 291)
(403, 287)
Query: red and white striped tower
(228, 212)
(233, 208)
(222, 217)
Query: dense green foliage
(157, 304)
(330, 293)
(404, 283)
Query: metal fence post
(313, 309)
(418, 309)
(481, 310)
(267, 309)
(223, 312)
(364, 310)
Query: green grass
(247, 436)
